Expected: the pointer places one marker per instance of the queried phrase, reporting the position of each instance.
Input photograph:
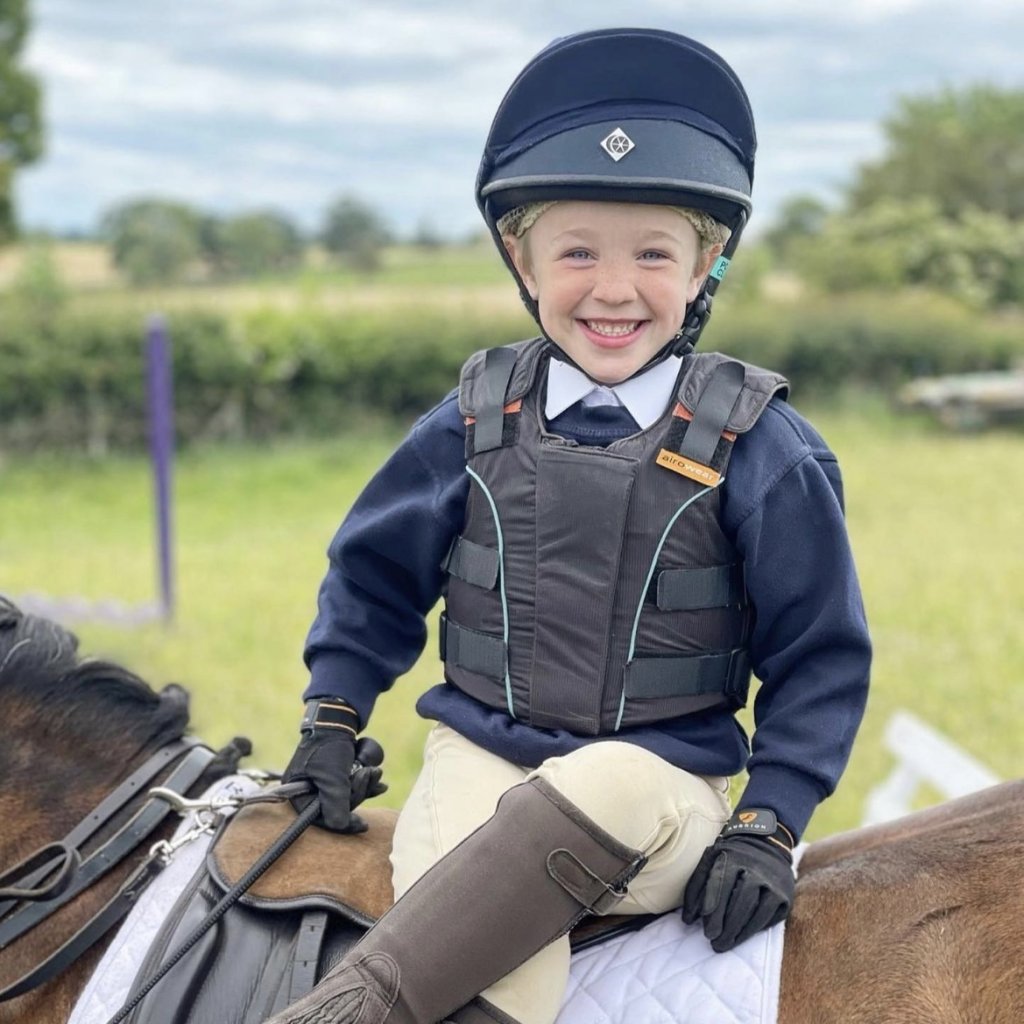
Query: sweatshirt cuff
(340, 675)
(792, 795)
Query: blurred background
(290, 187)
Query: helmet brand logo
(617, 144)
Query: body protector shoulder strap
(593, 588)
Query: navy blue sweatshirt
(782, 507)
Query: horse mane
(43, 677)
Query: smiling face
(611, 280)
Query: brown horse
(73, 729)
(915, 922)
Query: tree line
(161, 240)
(21, 124)
(942, 208)
(155, 240)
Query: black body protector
(593, 588)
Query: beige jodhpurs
(642, 801)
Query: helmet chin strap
(681, 343)
(699, 311)
(675, 346)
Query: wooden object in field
(923, 755)
(969, 401)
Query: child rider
(622, 530)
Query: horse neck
(66, 776)
(914, 920)
(68, 784)
(976, 814)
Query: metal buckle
(183, 806)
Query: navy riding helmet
(629, 115)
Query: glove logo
(617, 144)
(746, 817)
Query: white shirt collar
(645, 396)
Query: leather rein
(55, 874)
(36, 895)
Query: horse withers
(917, 921)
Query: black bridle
(36, 895)
(55, 874)
(32, 900)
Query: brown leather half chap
(518, 882)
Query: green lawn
(936, 522)
(470, 276)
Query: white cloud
(815, 14)
(291, 101)
(119, 83)
(103, 82)
(383, 31)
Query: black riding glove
(743, 882)
(341, 770)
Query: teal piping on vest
(501, 585)
(647, 583)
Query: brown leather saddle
(291, 926)
(352, 874)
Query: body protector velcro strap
(472, 650)
(692, 676)
(474, 563)
(490, 412)
(683, 590)
(573, 635)
(713, 412)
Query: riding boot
(521, 880)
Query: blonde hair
(711, 232)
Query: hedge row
(877, 341)
(77, 380)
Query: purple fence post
(160, 391)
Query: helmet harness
(624, 115)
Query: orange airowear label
(687, 467)
(682, 413)
(512, 407)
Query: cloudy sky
(235, 104)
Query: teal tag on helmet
(720, 267)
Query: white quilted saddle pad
(667, 973)
(108, 988)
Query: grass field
(468, 277)
(936, 522)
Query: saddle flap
(349, 874)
